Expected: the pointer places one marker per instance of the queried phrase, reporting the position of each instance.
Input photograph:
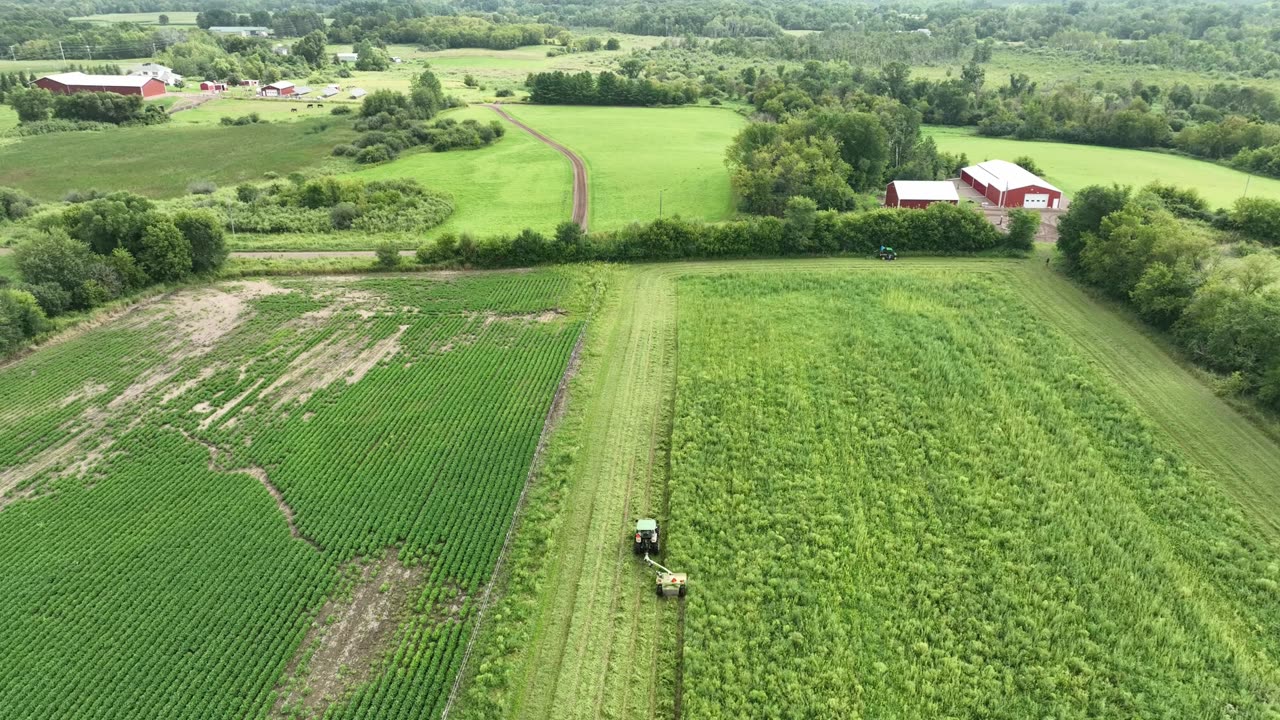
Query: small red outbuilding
(209, 85)
(920, 193)
(74, 82)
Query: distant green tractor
(646, 542)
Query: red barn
(920, 193)
(277, 89)
(1007, 185)
(209, 85)
(74, 82)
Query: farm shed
(209, 85)
(241, 30)
(358, 93)
(1007, 185)
(277, 89)
(74, 82)
(330, 91)
(920, 193)
(301, 90)
(347, 57)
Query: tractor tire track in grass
(581, 198)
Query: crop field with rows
(906, 495)
(270, 499)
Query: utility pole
(13, 52)
(88, 51)
(62, 52)
(660, 201)
(1246, 184)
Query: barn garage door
(1035, 201)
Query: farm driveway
(581, 197)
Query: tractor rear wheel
(659, 589)
(683, 589)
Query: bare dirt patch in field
(347, 357)
(349, 639)
(88, 391)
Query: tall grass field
(636, 157)
(903, 494)
(161, 161)
(1072, 167)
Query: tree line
(605, 88)
(1222, 310)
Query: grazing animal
(293, 109)
(309, 105)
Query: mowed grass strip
(636, 155)
(1072, 167)
(159, 162)
(903, 494)
(515, 183)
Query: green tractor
(646, 542)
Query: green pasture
(1048, 69)
(1072, 167)
(515, 183)
(7, 268)
(160, 161)
(176, 17)
(636, 155)
(46, 66)
(269, 110)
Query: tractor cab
(646, 542)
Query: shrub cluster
(100, 249)
(249, 119)
(393, 126)
(35, 105)
(327, 203)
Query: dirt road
(580, 197)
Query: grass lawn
(160, 161)
(7, 268)
(1072, 167)
(633, 154)
(176, 17)
(515, 183)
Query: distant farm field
(1072, 167)
(637, 156)
(1049, 68)
(940, 511)
(8, 118)
(160, 161)
(176, 17)
(270, 499)
(515, 183)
